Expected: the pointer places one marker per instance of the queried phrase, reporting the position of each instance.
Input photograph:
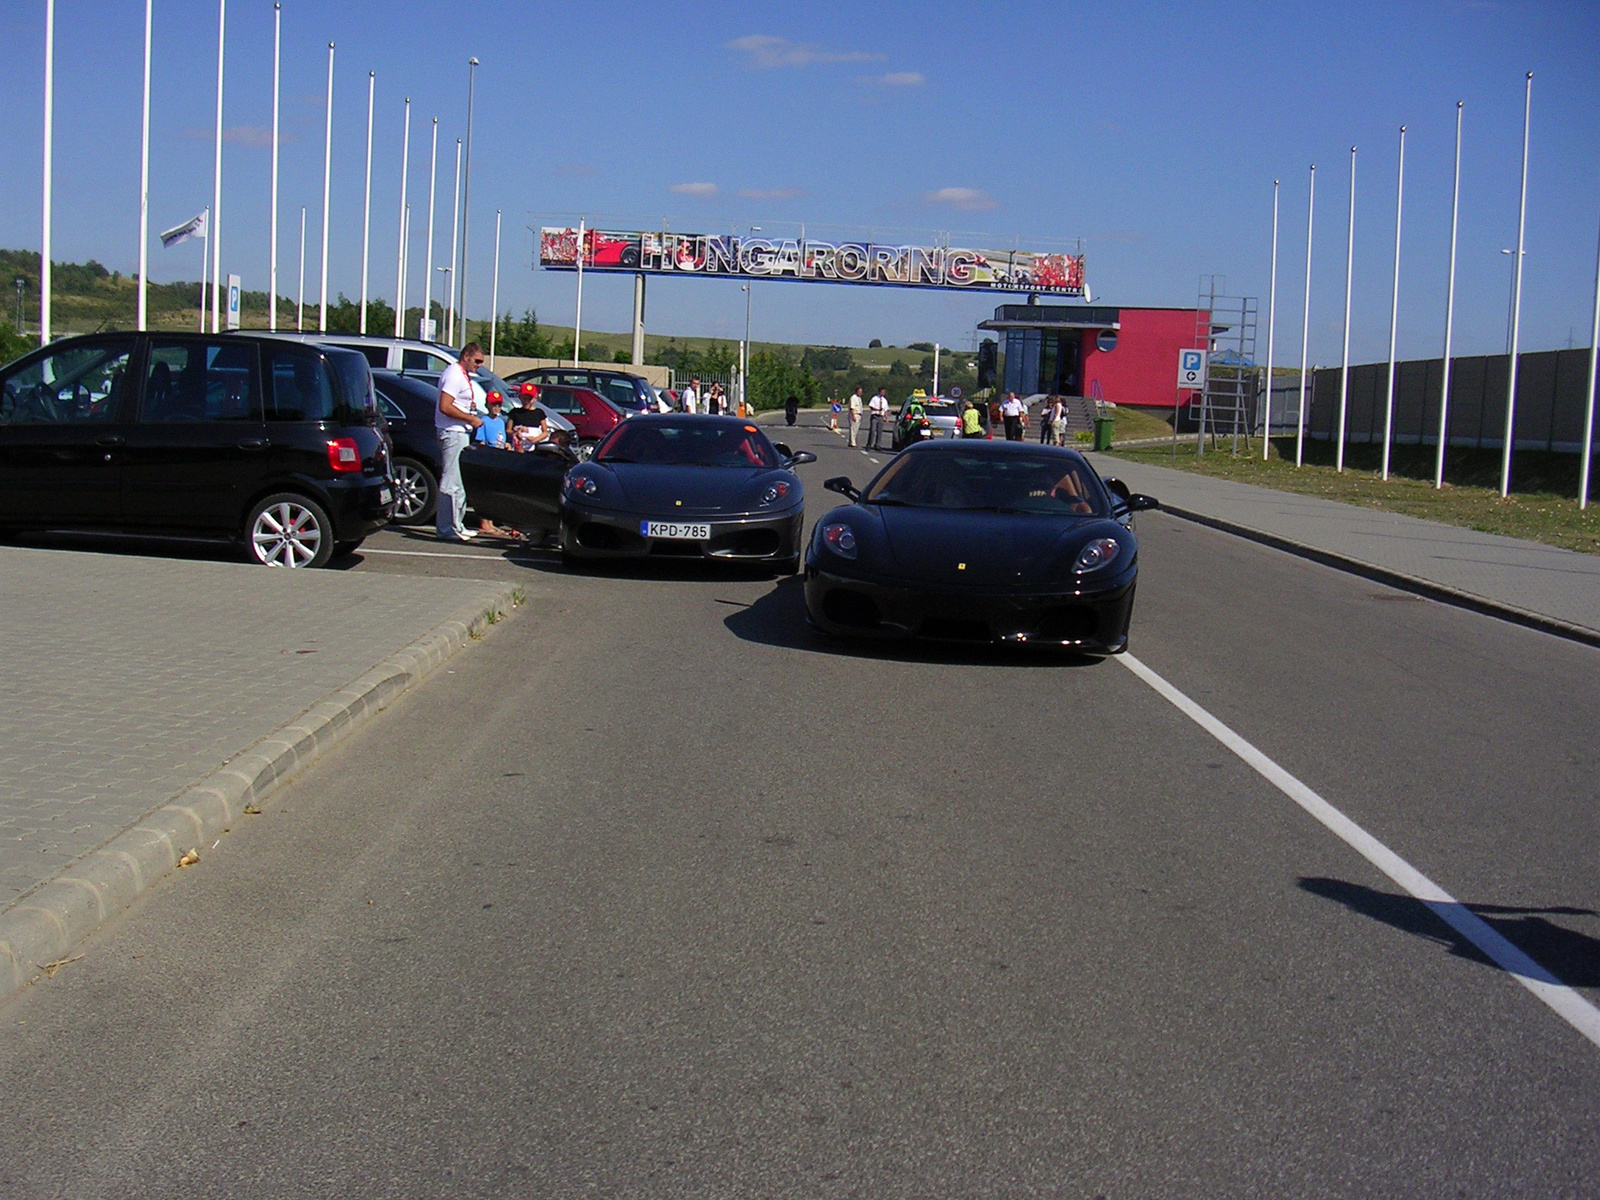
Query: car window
(573, 378)
(620, 391)
(422, 360)
(392, 412)
(376, 356)
(200, 381)
(355, 402)
(302, 389)
(81, 385)
(561, 400)
(1043, 483)
(690, 440)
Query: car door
(565, 402)
(63, 428)
(199, 449)
(522, 490)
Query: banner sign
(873, 263)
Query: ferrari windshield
(1039, 482)
(688, 441)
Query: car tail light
(344, 454)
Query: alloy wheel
(286, 534)
(412, 491)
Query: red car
(591, 414)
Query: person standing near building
(971, 422)
(879, 408)
(1050, 424)
(856, 406)
(453, 423)
(1011, 411)
(691, 396)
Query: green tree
(775, 376)
(13, 344)
(524, 338)
(875, 344)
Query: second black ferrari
(979, 541)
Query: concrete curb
(43, 926)
(1395, 579)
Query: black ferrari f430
(979, 541)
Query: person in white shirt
(855, 415)
(879, 408)
(453, 422)
(691, 397)
(1014, 412)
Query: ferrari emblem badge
(679, 503)
(961, 566)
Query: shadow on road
(1571, 957)
(779, 619)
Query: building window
(1106, 341)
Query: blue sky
(1152, 131)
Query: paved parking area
(128, 678)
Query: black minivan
(274, 444)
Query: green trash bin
(1102, 432)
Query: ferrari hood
(941, 546)
(668, 490)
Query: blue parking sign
(1192, 369)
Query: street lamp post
(327, 175)
(21, 283)
(466, 191)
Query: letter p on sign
(1192, 369)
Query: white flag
(194, 227)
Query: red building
(1129, 354)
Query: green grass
(1132, 424)
(1543, 509)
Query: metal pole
(636, 346)
(1305, 327)
(744, 371)
(1344, 361)
(466, 189)
(327, 173)
(49, 169)
(1516, 308)
(405, 269)
(577, 323)
(300, 302)
(216, 184)
(1394, 305)
(1272, 310)
(1587, 449)
(936, 370)
(272, 270)
(494, 302)
(455, 226)
(400, 249)
(205, 256)
(1449, 315)
(366, 208)
(144, 174)
(427, 282)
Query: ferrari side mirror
(842, 485)
(801, 457)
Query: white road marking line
(871, 459)
(1568, 1004)
(439, 554)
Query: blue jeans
(452, 493)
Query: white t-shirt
(1011, 408)
(880, 405)
(691, 402)
(855, 406)
(455, 384)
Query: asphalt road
(655, 893)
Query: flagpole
(272, 286)
(1516, 303)
(205, 255)
(427, 283)
(144, 175)
(577, 320)
(49, 168)
(1272, 312)
(1305, 326)
(400, 249)
(494, 303)
(300, 303)
(1449, 316)
(405, 274)
(1587, 449)
(327, 173)
(1394, 305)
(366, 210)
(215, 223)
(466, 192)
(1344, 361)
(455, 228)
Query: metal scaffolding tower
(1226, 326)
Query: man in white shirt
(453, 422)
(879, 407)
(856, 406)
(691, 396)
(1015, 414)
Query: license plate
(680, 530)
(385, 495)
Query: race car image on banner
(871, 263)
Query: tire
(416, 492)
(289, 530)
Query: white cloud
(966, 199)
(765, 52)
(896, 79)
(703, 191)
(783, 193)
